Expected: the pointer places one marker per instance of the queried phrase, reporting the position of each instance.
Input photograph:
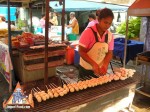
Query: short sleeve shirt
(42, 23)
(87, 38)
(92, 23)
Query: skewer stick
(35, 89)
(62, 82)
(80, 79)
(54, 85)
(91, 77)
(50, 87)
(87, 77)
(84, 78)
(67, 82)
(38, 88)
(46, 87)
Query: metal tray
(144, 56)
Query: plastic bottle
(70, 55)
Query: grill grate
(80, 97)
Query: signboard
(56, 32)
(56, 29)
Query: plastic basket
(72, 37)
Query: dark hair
(3, 18)
(98, 12)
(105, 13)
(91, 15)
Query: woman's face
(49, 14)
(54, 14)
(105, 23)
(71, 16)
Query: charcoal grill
(77, 98)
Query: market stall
(55, 94)
(46, 39)
(136, 9)
(29, 57)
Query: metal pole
(43, 7)
(63, 21)
(125, 44)
(46, 42)
(9, 42)
(30, 11)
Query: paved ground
(140, 102)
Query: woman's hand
(103, 70)
(99, 71)
(96, 69)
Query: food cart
(98, 94)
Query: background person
(96, 46)
(42, 24)
(42, 21)
(73, 24)
(3, 24)
(54, 20)
(50, 17)
(92, 20)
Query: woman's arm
(72, 24)
(106, 61)
(53, 20)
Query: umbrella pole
(46, 43)
(63, 21)
(125, 44)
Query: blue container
(76, 57)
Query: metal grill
(80, 97)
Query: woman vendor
(96, 46)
